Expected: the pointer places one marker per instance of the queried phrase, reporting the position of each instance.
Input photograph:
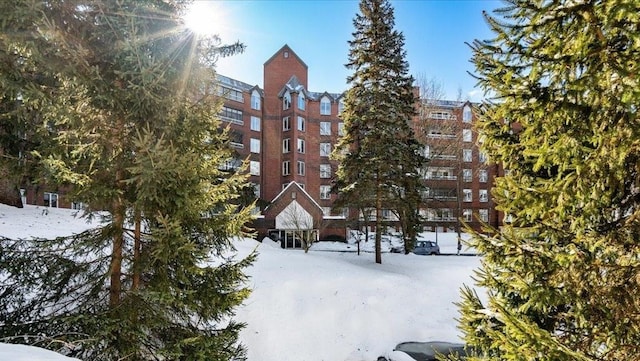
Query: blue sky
(435, 33)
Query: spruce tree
(562, 274)
(135, 132)
(379, 155)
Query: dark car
(426, 248)
(427, 351)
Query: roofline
(285, 46)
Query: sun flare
(204, 17)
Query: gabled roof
(293, 86)
(297, 187)
(291, 52)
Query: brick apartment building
(287, 133)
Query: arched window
(466, 114)
(325, 106)
(255, 100)
(301, 102)
(286, 101)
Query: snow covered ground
(327, 305)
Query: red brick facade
(296, 150)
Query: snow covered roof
(237, 84)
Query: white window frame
(467, 114)
(325, 106)
(467, 135)
(325, 149)
(467, 155)
(467, 195)
(300, 146)
(483, 176)
(301, 124)
(483, 195)
(255, 123)
(341, 128)
(301, 168)
(325, 128)
(325, 170)
(325, 192)
(254, 167)
(467, 175)
(255, 100)
(286, 145)
(286, 167)
(483, 214)
(254, 145)
(50, 199)
(286, 123)
(301, 101)
(286, 101)
(467, 215)
(482, 157)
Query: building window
(231, 94)
(301, 124)
(483, 175)
(467, 215)
(255, 145)
(325, 192)
(230, 165)
(255, 123)
(466, 195)
(256, 189)
(482, 157)
(326, 211)
(483, 195)
(236, 139)
(78, 206)
(255, 100)
(441, 115)
(325, 149)
(467, 175)
(231, 115)
(466, 114)
(340, 106)
(286, 101)
(484, 215)
(466, 135)
(325, 128)
(325, 170)
(300, 167)
(467, 155)
(426, 151)
(51, 200)
(341, 129)
(286, 167)
(325, 106)
(286, 145)
(286, 123)
(301, 101)
(301, 146)
(254, 167)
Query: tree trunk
(9, 192)
(115, 269)
(378, 218)
(137, 247)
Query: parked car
(426, 248)
(428, 351)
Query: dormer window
(466, 114)
(325, 106)
(301, 101)
(255, 100)
(286, 101)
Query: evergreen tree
(379, 155)
(563, 273)
(136, 134)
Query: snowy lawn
(329, 304)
